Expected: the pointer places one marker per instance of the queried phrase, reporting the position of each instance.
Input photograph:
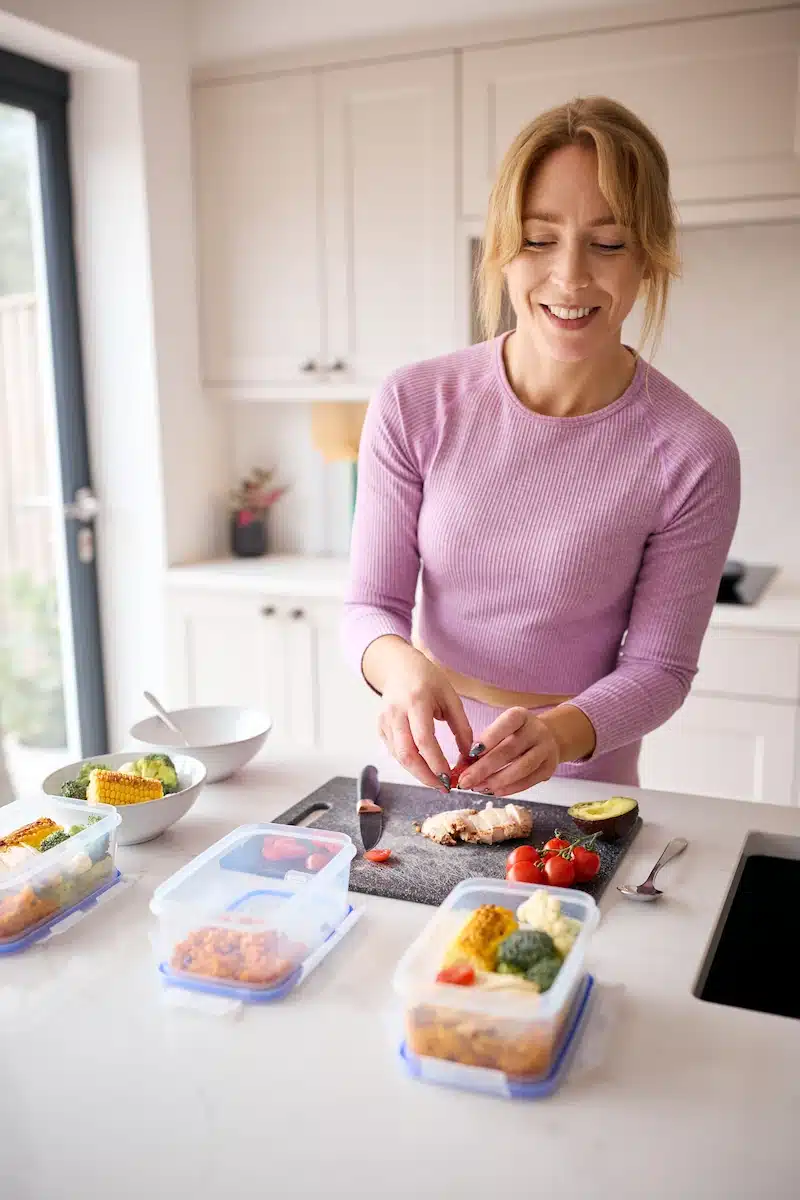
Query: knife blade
(370, 814)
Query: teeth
(568, 314)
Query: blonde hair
(633, 174)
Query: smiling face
(578, 274)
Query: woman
(570, 507)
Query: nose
(570, 268)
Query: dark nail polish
(477, 749)
(445, 780)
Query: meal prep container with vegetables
(517, 1033)
(47, 886)
(242, 918)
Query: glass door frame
(44, 91)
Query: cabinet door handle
(297, 614)
(338, 365)
(268, 610)
(309, 366)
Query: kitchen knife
(370, 814)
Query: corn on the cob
(115, 787)
(479, 938)
(30, 835)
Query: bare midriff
(489, 693)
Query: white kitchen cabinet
(389, 213)
(278, 654)
(737, 159)
(347, 707)
(719, 746)
(326, 227)
(256, 171)
(244, 650)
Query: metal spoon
(165, 717)
(646, 890)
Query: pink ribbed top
(542, 540)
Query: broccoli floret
(53, 839)
(93, 819)
(87, 768)
(73, 789)
(522, 948)
(73, 829)
(543, 972)
(158, 766)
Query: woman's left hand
(520, 751)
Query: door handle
(84, 507)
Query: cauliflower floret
(542, 911)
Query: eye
(536, 245)
(609, 247)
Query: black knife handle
(368, 785)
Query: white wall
(732, 343)
(159, 448)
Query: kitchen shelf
(290, 393)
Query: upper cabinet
(257, 171)
(389, 213)
(326, 220)
(737, 159)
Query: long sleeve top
(574, 555)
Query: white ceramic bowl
(141, 822)
(222, 737)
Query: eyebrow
(552, 219)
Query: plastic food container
(482, 1079)
(48, 887)
(242, 918)
(518, 1034)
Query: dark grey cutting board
(420, 869)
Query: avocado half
(609, 819)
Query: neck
(566, 389)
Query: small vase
(248, 533)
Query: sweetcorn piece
(115, 787)
(30, 835)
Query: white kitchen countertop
(107, 1094)
(326, 578)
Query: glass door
(52, 703)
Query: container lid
(415, 974)
(481, 1079)
(242, 852)
(64, 813)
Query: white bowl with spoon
(223, 737)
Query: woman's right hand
(415, 694)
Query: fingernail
(487, 792)
(445, 780)
(477, 749)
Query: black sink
(751, 959)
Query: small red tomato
(523, 854)
(315, 862)
(329, 848)
(378, 856)
(275, 848)
(456, 773)
(559, 871)
(461, 974)
(526, 871)
(587, 863)
(552, 847)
